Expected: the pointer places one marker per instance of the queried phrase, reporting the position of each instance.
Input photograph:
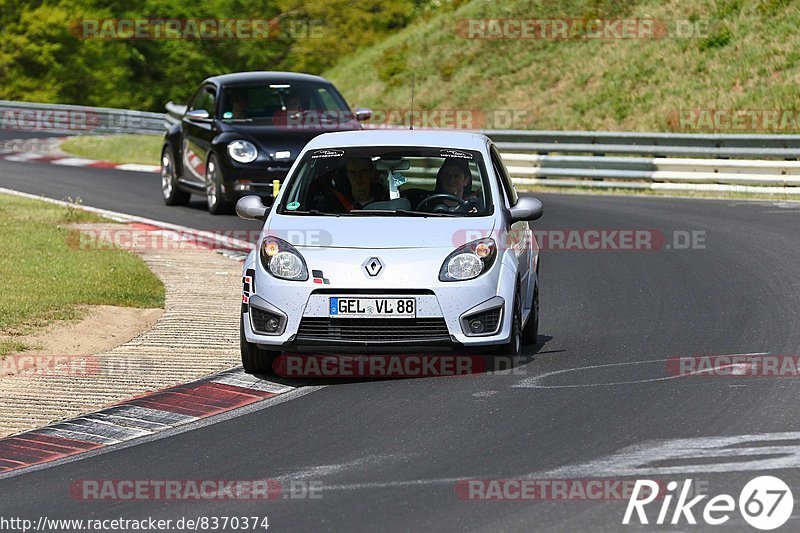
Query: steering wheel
(443, 196)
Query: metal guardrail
(715, 162)
(60, 118)
(673, 161)
(174, 112)
(603, 142)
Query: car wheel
(170, 192)
(254, 359)
(530, 335)
(216, 203)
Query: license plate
(373, 307)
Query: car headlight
(282, 260)
(469, 261)
(242, 151)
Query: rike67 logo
(765, 503)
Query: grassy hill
(744, 56)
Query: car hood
(378, 232)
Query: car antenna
(411, 126)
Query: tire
(217, 205)
(254, 359)
(170, 192)
(530, 334)
(513, 347)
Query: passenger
(359, 186)
(240, 99)
(365, 183)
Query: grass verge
(738, 56)
(142, 149)
(45, 278)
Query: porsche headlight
(242, 151)
(282, 260)
(469, 261)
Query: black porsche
(240, 134)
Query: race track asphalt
(389, 453)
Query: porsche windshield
(394, 181)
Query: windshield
(297, 104)
(389, 181)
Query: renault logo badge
(373, 266)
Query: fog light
(272, 325)
(476, 326)
(242, 186)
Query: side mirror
(527, 208)
(198, 114)
(362, 114)
(251, 208)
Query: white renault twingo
(391, 241)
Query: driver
(291, 105)
(455, 178)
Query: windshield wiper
(406, 212)
(237, 119)
(315, 212)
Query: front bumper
(239, 181)
(440, 325)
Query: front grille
(379, 330)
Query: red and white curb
(144, 415)
(32, 157)
(138, 417)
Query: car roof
(423, 138)
(263, 77)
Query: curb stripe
(254, 393)
(78, 162)
(142, 413)
(137, 417)
(20, 451)
(66, 443)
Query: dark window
(204, 99)
(505, 180)
(281, 104)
